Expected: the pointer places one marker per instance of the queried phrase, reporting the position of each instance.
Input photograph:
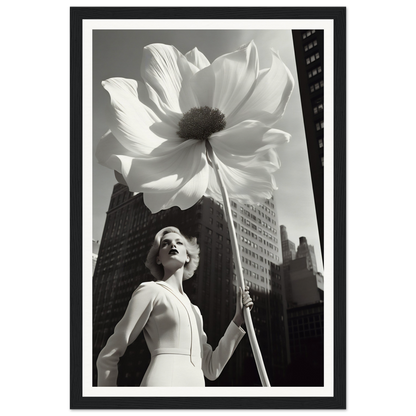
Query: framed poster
(266, 79)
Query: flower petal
(250, 184)
(135, 125)
(202, 85)
(168, 168)
(185, 198)
(227, 82)
(162, 110)
(175, 174)
(197, 58)
(271, 94)
(163, 69)
(247, 138)
(248, 162)
(187, 195)
(107, 150)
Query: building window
(318, 108)
(321, 143)
(312, 58)
(310, 45)
(308, 33)
(316, 87)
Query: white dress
(173, 330)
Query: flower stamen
(199, 123)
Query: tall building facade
(127, 237)
(288, 247)
(306, 339)
(95, 249)
(303, 282)
(260, 245)
(309, 54)
(305, 312)
(261, 257)
(289, 254)
(307, 251)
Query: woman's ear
(187, 260)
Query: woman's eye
(180, 242)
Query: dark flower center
(200, 122)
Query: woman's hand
(243, 300)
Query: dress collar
(172, 290)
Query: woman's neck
(174, 279)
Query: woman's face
(172, 251)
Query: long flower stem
(237, 261)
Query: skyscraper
(307, 251)
(289, 254)
(309, 53)
(95, 248)
(304, 293)
(306, 338)
(128, 235)
(288, 247)
(260, 245)
(303, 283)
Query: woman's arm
(213, 362)
(125, 332)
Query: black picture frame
(338, 16)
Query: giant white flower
(159, 148)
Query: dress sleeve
(213, 362)
(125, 332)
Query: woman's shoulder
(147, 288)
(196, 308)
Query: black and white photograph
(204, 181)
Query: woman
(172, 325)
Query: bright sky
(117, 53)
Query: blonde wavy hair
(192, 249)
